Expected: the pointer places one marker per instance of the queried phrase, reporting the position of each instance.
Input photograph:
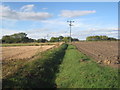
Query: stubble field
(22, 52)
(15, 57)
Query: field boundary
(41, 72)
(80, 71)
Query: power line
(70, 24)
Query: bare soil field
(22, 52)
(16, 56)
(105, 52)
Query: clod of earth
(117, 62)
(99, 62)
(116, 57)
(99, 55)
(107, 62)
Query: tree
(60, 38)
(42, 40)
(104, 37)
(99, 38)
(67, 39)
(75, 39)
(7, 39)
(16, 38)
(54, 39)
(90, 38)
(111, 38)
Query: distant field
(28, 44)
(103, 51)
(22, 52)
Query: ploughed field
(105, 52)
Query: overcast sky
(39, 19)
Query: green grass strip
(40, 73)
(87, 74)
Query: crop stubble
(21, 52)
(15, 57)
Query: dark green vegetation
(84, 74)
(38, 73)
(64, 39)
(42, 40)
(22, 38)
(99, 38)
(16, 38)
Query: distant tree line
(16, 38)
(19, 38)
(22, 38)
(64, 39)
(99, 38)
(42, 40)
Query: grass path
(86, 74)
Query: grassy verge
(86, 74)
(26, 44)
(39, 73)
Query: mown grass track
(86, 74)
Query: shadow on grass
(86, 59)
(38, 74)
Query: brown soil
(15, 57)
(104, 52)
(22, 52)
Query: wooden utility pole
(70, 24)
